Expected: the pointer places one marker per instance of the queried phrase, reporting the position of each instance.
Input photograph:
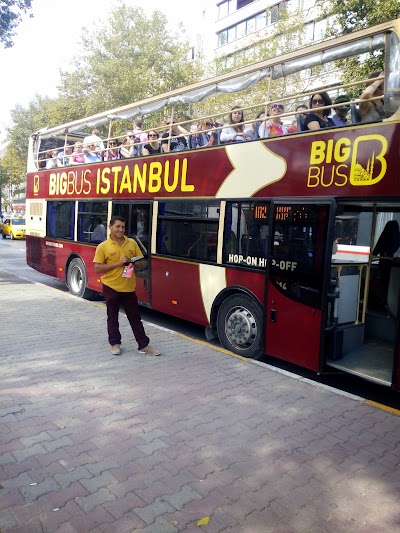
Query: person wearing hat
(340, 116)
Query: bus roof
(368, 40)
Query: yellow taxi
(13, 227)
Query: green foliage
(128, 58)
(10, 17)
(353, 15)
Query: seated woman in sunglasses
(112, 151)
(319, 118)
(153, 146)
(273, 126)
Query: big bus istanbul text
(337, 162)
(120, 179)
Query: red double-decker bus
(273, 245)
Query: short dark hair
(114, 219)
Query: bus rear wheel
(77, 280)
(239, 325)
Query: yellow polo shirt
(111, 252)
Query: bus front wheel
(239, 324)
(77, 279)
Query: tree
(10, 17)
(128, 58)
(348, 16)
(353, 15)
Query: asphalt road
(12, 260)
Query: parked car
(13, 227)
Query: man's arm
(101, 268)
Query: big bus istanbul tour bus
(284, 246)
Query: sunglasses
(277, 106)
(131, 136)
(318, 101)
(112, 144)
(153, 135)
(209, 124)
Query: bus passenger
(154, 145)
(373, 111)
(299, 119)
(93, 154)
(207, 127)
(112, 261)
(197, 139)
(261, 115)
(99, 233)
(95, 139)
(273, 126)
(129, 148)
(65, 157)
(52, 161)
(386, 247)
(320, 117)
(233, 131)
(340, 116)
(178, 141)
(112, 151)
(78, 157)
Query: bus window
(60, 219)
(188, 229)
(246, 233)
(297, 258)
(88, 212)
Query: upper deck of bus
(354, 160)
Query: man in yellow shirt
(111, 260)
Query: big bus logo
(339, 162)
(36, 185)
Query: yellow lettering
(63, 183)
(105, 188)
(126, 183)
(52, 184)
(169, 187)
(342, 150)
(185, 187)
(140, 179)
(317, 155)
(70, 183)
(339, 174)
(87, 182)
(313, 177)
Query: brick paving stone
(90, 502)
(7, 520)
(32, 493)
(154, 444)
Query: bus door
(138, 227)
(298, 277)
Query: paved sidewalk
(92, 442)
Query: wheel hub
(241, 327)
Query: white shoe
(116, 349)
(149, 350)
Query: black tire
(239, 325)
(77, 280)
(3, 235)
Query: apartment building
(240, 24)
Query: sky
(47, 42)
